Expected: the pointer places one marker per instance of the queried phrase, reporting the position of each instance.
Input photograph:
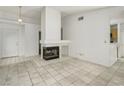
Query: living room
(61, 45)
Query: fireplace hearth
(50, 52)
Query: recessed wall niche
(114, 33)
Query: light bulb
(19, 20)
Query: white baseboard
(121, 59)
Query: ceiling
(68, 10)
(27, 11)
(35, 11)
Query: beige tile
(2, 82)
(36, 80)
(43, 72)
(88, 77)
(98, 82)
(12, 83)
(81, 72)
(11, 79)
(34, 75)
(106, 76)
(55, 84)
(25, 83)
(65, 82)
(79, 83)
(120, 74)
(25, 74)
(72, 72)
(41, 83)
(117, 81)
(72, 78)
(50, 81)
(46, 76)
(53, 73)
(65, 74)
(23, 79)
(40, 69)
(59, 77)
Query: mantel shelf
(60, 43)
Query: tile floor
(32, 71)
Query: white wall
(0, 42)
(91, 36)
(28, 43)
(28, 34)
(122, 40)
(51, 24)
(43, 24)
(5, 27)
(31, 39)
(21, 44)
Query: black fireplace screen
(50, 52)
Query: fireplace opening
(50, 52)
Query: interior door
(9, 42)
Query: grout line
(35, 60)
(114, 73)
(28, 74)
(38, 73)
(30, 78)
(53, 77)
(6, 76)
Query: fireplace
(50, 52)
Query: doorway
(39, 42)
(114, 41)
(121, 43)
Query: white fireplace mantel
(59, 43)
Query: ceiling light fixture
(19, 15)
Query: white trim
(60, 44)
